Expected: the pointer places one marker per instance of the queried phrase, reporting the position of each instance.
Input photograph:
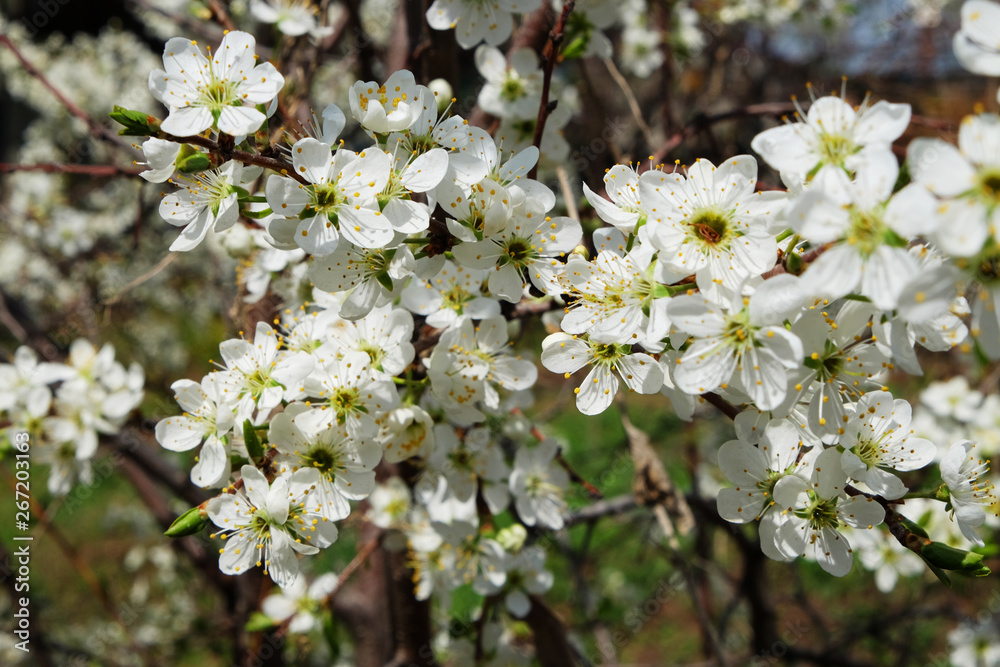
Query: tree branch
(550, 54)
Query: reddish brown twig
(550, 54)
(220, 15)
(274, 164)
(724, 406)
(95, 128)
(702, 121)
(574, 476)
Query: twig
(220, 15)
(807, 258)
(567, 192)
(603, 508)
(552, 648)
(701, 121)
(9, 321)
(358, 560)
(561, 460)
(95, 128)
(550, 54)
(189, 24)
(633, 104)
(725, 407)
(95, 170)
(274, 164)
(113, 301)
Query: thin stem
(550, 54)
(96, 129)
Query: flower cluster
(65, 407)
(413, 255)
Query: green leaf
(576, 47)
(939, 573)
(254, 448)
(189, 523)
(258, 622)
(137, 123)
(913, 527)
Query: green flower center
(820, 513)
(326, 197)
(323, 458)
(738, 333)
(375, 352)
(988, 267)
(512, 88)
(462, 458)
(709, 226)
(835, 147)
(345, 402)
(989, 185)
(519, 251)
(868, 451)
(608, 354)
(218, 94)
(455, 298)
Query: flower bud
(189, 523)
(512, 537)
(442, 93)
(949, 558)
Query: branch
(603, 508)
(725, 407)
(703, 121)
(96, 129)
(551, 55)
(220, 15)
(274, 164)
(807, 258)
(551, 642)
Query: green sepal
(189, 523)
(258, 622)
(384, 280)
(252, 441)
(793, 263)
(137, 123)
